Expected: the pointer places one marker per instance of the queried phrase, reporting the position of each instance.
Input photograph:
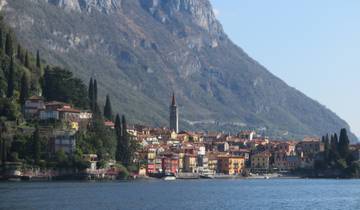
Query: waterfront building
(174, 115)
(284, 161)
(170, 163)
(150, 157)
(212, 161)
(309, 147)
(260, 162)
(231, 165)
(190, 163)
(242, 153)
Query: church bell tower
(174, 115)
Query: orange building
(230, 165)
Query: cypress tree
(97, 110)
(119, 150)
(11, 78)
(344, 142)
(95, 92)
(3, 150)
(9, 45)
(1, 39)
(38, 62)
(27, 62)
(19, 52)
(126, 143)
(334, 142)
(37, 145)
(327, 146)
(333, 154)
(107, 109)
(25, 87)
(3, 129)
(91, 94)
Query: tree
(25, 88)
(95, 92)
(27, 62)
(107, 109)
(11, 78)
(8, 109)
(1, 39)
(334, 142)
(19, 52)
(9, 45)
(3, 129)
(101, 138)
(91, 94)
(123, 150)
(36, 145)
(38, 62)
(60, 85)
(334, 154)
(343, 146)
(118, 131)
(126, 143)
(327, 146)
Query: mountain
(141, 51)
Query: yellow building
(260, 161)
(190, 163)
(151, 155)
(230, 165)
(173, 135)
(212, 161)
(181, 161)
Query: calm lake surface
(194, 194)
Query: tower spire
(173, 103)
(174, 115)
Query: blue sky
(314, 45)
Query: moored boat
(169, 177)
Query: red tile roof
(35, 98)
(71, 110)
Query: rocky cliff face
(142, 50)
(105, 6)
(200, 11)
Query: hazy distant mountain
(142, 50)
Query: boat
(207, 176)
(169, 177)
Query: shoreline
(18, 179)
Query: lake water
(193, 194)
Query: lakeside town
(166, 152)
(54, 127)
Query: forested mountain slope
(143, 50)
